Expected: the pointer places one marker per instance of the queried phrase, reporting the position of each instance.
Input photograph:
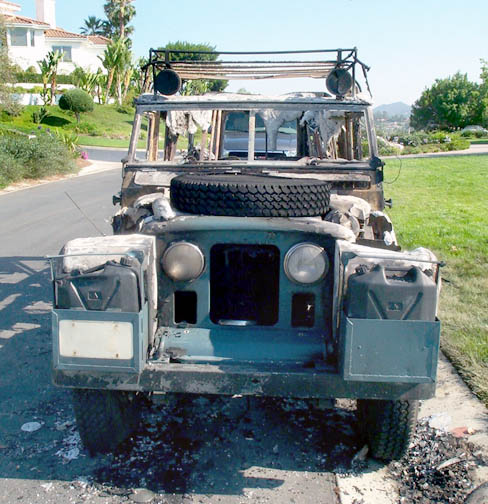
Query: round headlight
(183, 261)
(306, 263)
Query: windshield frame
(149, 104)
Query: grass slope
(441, 204)
(107, 125)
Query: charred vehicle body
(251, 255)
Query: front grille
(244, 284)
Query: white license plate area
(89, 339)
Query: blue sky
(408, 43)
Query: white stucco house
(29, 40)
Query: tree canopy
(77, 101)
(93, 26)
(449, 104)
(484, 91)
(119, 14)
(197, 86)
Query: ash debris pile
(438, 467)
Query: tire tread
(389, 426)
(105, 418)
(249, 196)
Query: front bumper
(250, 380)
(378, 359)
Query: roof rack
(187, 68)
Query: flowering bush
(435, 141)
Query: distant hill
(393, 109)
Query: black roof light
(339, 82)
(167, 82)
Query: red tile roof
(10, 3)
(60, 33)
(57, 33)
(98, 39)
(24, 20)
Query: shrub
(31, 75)
(10, 168)
(125, 109)
(88, 128)
(434, 141)
(77, 101)
(24, 157)
(23, 90)
(70, 140)
(5, 117)
(10, 109)
(19, 90)
(39, 115)
(388, 150)
(458, 143)
(440, 137)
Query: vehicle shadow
(187, 444)
(26, 393)
(203, 445)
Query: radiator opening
(244, 284)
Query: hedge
(24, 157)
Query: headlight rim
(292, 250)
(195, 247)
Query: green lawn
(478, 141)
(441, 204)
(105, 126)
(93, 141)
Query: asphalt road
(202, 450)
(105, 154)
(37, 222)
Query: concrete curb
(95, 167)
(98, 167)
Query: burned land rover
(251, 256)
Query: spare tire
(249, 195)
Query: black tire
(388, 426)
(249, 195)
(105, 418)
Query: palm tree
(54, 58)
(84, 79)
(93, 26)
(49, 72)
(109, 61)
(44, 67)
(117, 60)
(119, 14)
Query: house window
(32, 38)
(18, 37)
(65, 51)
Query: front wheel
(105, 418)
(388, 426)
